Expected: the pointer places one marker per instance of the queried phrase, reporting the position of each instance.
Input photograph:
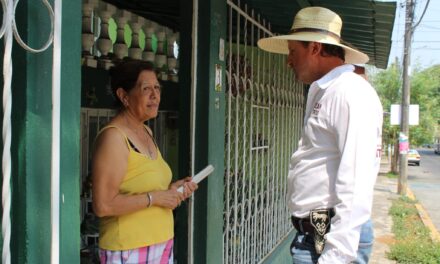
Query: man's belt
(317, 225)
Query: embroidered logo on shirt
(316, 108)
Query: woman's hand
(170, 198)
(188, 186)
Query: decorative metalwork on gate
(263, 123)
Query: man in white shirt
(333, 171)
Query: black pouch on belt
(320, 220)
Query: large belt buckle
(320, 220)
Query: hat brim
(278, 44)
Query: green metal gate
(263, 123)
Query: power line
(420, 47)
(422, 41)
(425, 26)
(428, 26)
(428, 31)
(424, 11)
(424, 21)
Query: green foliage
(392, 175)
(414, 251)
(424, 90)
(413, 243)
(388, 84)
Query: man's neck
(327, 64)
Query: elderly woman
(132, 193)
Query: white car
(413, 157)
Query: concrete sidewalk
(385, 191)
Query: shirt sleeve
(357, 120)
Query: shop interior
(114, 31)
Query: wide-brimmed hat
(315, 24)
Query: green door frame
(31, 136)
(209, 133)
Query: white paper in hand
(200, 176)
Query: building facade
(224, 102)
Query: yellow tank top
(147, 226)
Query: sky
(425, 51)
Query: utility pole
(404, 125)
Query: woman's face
(143, 100)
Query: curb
(435, 235)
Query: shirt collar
(328, 79)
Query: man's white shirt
(338, 158)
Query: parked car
(413, 157)
(437, 148)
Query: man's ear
(315, 48)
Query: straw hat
(315, 24)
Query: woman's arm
(108, 170)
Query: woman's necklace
(144, 134)
(149, 150)
(147, 137)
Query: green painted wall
(31, 140)
(281, 254)
(18, 148)
(210, 134)
(19, 195)
(70, 132)
(31, 145)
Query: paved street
(424, 181)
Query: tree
(425, 91)
(388, 84)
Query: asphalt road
(424, 181)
